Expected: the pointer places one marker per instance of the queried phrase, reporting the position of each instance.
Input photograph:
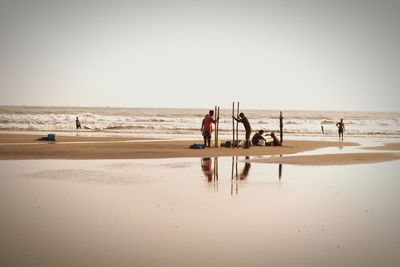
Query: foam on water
(177, 122)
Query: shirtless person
(340, 126)
(242, 118)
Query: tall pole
(281, 127)
(237, 125)
(217, 126)
(233, 125)
(215, 131)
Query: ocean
(186, 123)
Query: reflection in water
(206, 168)
(239, 176)
(210, 172)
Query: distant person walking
(340, 126)
(78, 123)
(242, 118)
(206, 127)
(322, 129)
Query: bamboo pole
(215, 130)
(237, 125)
(217, 127)
(233, 125)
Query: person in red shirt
(206, 127)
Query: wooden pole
(281, 127)
(237, 125)
(233, 125)
(217, 126)
(215, 130)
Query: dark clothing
(247, 127)
(256, 137)
(78, 124)
(275, 142)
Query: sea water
(176, 123)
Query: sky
(309, 55)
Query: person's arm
(237, 119)
(202, 125)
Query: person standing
(242, 118)
(78, 123)
(340, 126)
(206, 128)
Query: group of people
(257, 139)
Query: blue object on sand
(197, 146)
(51, 137)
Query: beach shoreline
(26, 147)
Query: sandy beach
(18, 146)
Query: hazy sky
(341, 55)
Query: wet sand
(21, 146)
(332, 159)
(175, 212)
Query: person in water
(340, 126)
(242, 118)
(258, 139)
(206, 127)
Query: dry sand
(21, 146)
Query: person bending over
(242, 118)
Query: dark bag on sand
(197, 146)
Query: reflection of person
(78, 123)
(246, 169)
(206, 127)
(206, 168)
(242, 118)
(340, 126)
(258, 139)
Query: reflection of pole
(232, 175)
(216, 172)
(237, 125)
(281, 127)
(280, 171)
(237, 175)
